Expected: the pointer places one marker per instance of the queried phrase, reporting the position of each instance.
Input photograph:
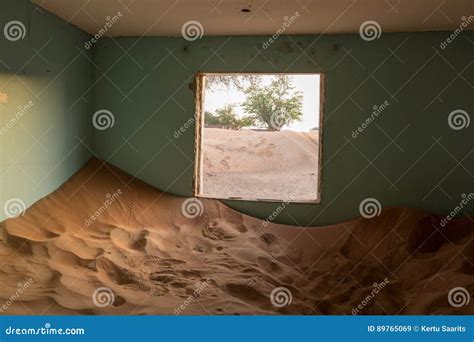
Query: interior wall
(44, 102)
(407, 156)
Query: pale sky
(307, 84)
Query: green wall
(407, 156)
(44, 71)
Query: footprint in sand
(225, 164)
(261, 142)
(208, 163)
(216, 233)
(220, 231)
(268, 153)
(126, 240)
(118, 274)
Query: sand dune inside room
(155, 254)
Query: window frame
(199, 88)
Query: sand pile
(260, 165)
(104, 243)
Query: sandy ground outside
(260, 165)
(105, 243)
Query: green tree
(229, 81)
(275, 105)
(227, 118)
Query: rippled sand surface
(105, 243)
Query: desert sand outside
(265, 165)
(155, 258)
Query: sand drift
(105, 243)
(260, 165)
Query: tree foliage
(227, 118)
(273, 106)
(227, 82)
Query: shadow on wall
(44, 103)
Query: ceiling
(254, 17)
